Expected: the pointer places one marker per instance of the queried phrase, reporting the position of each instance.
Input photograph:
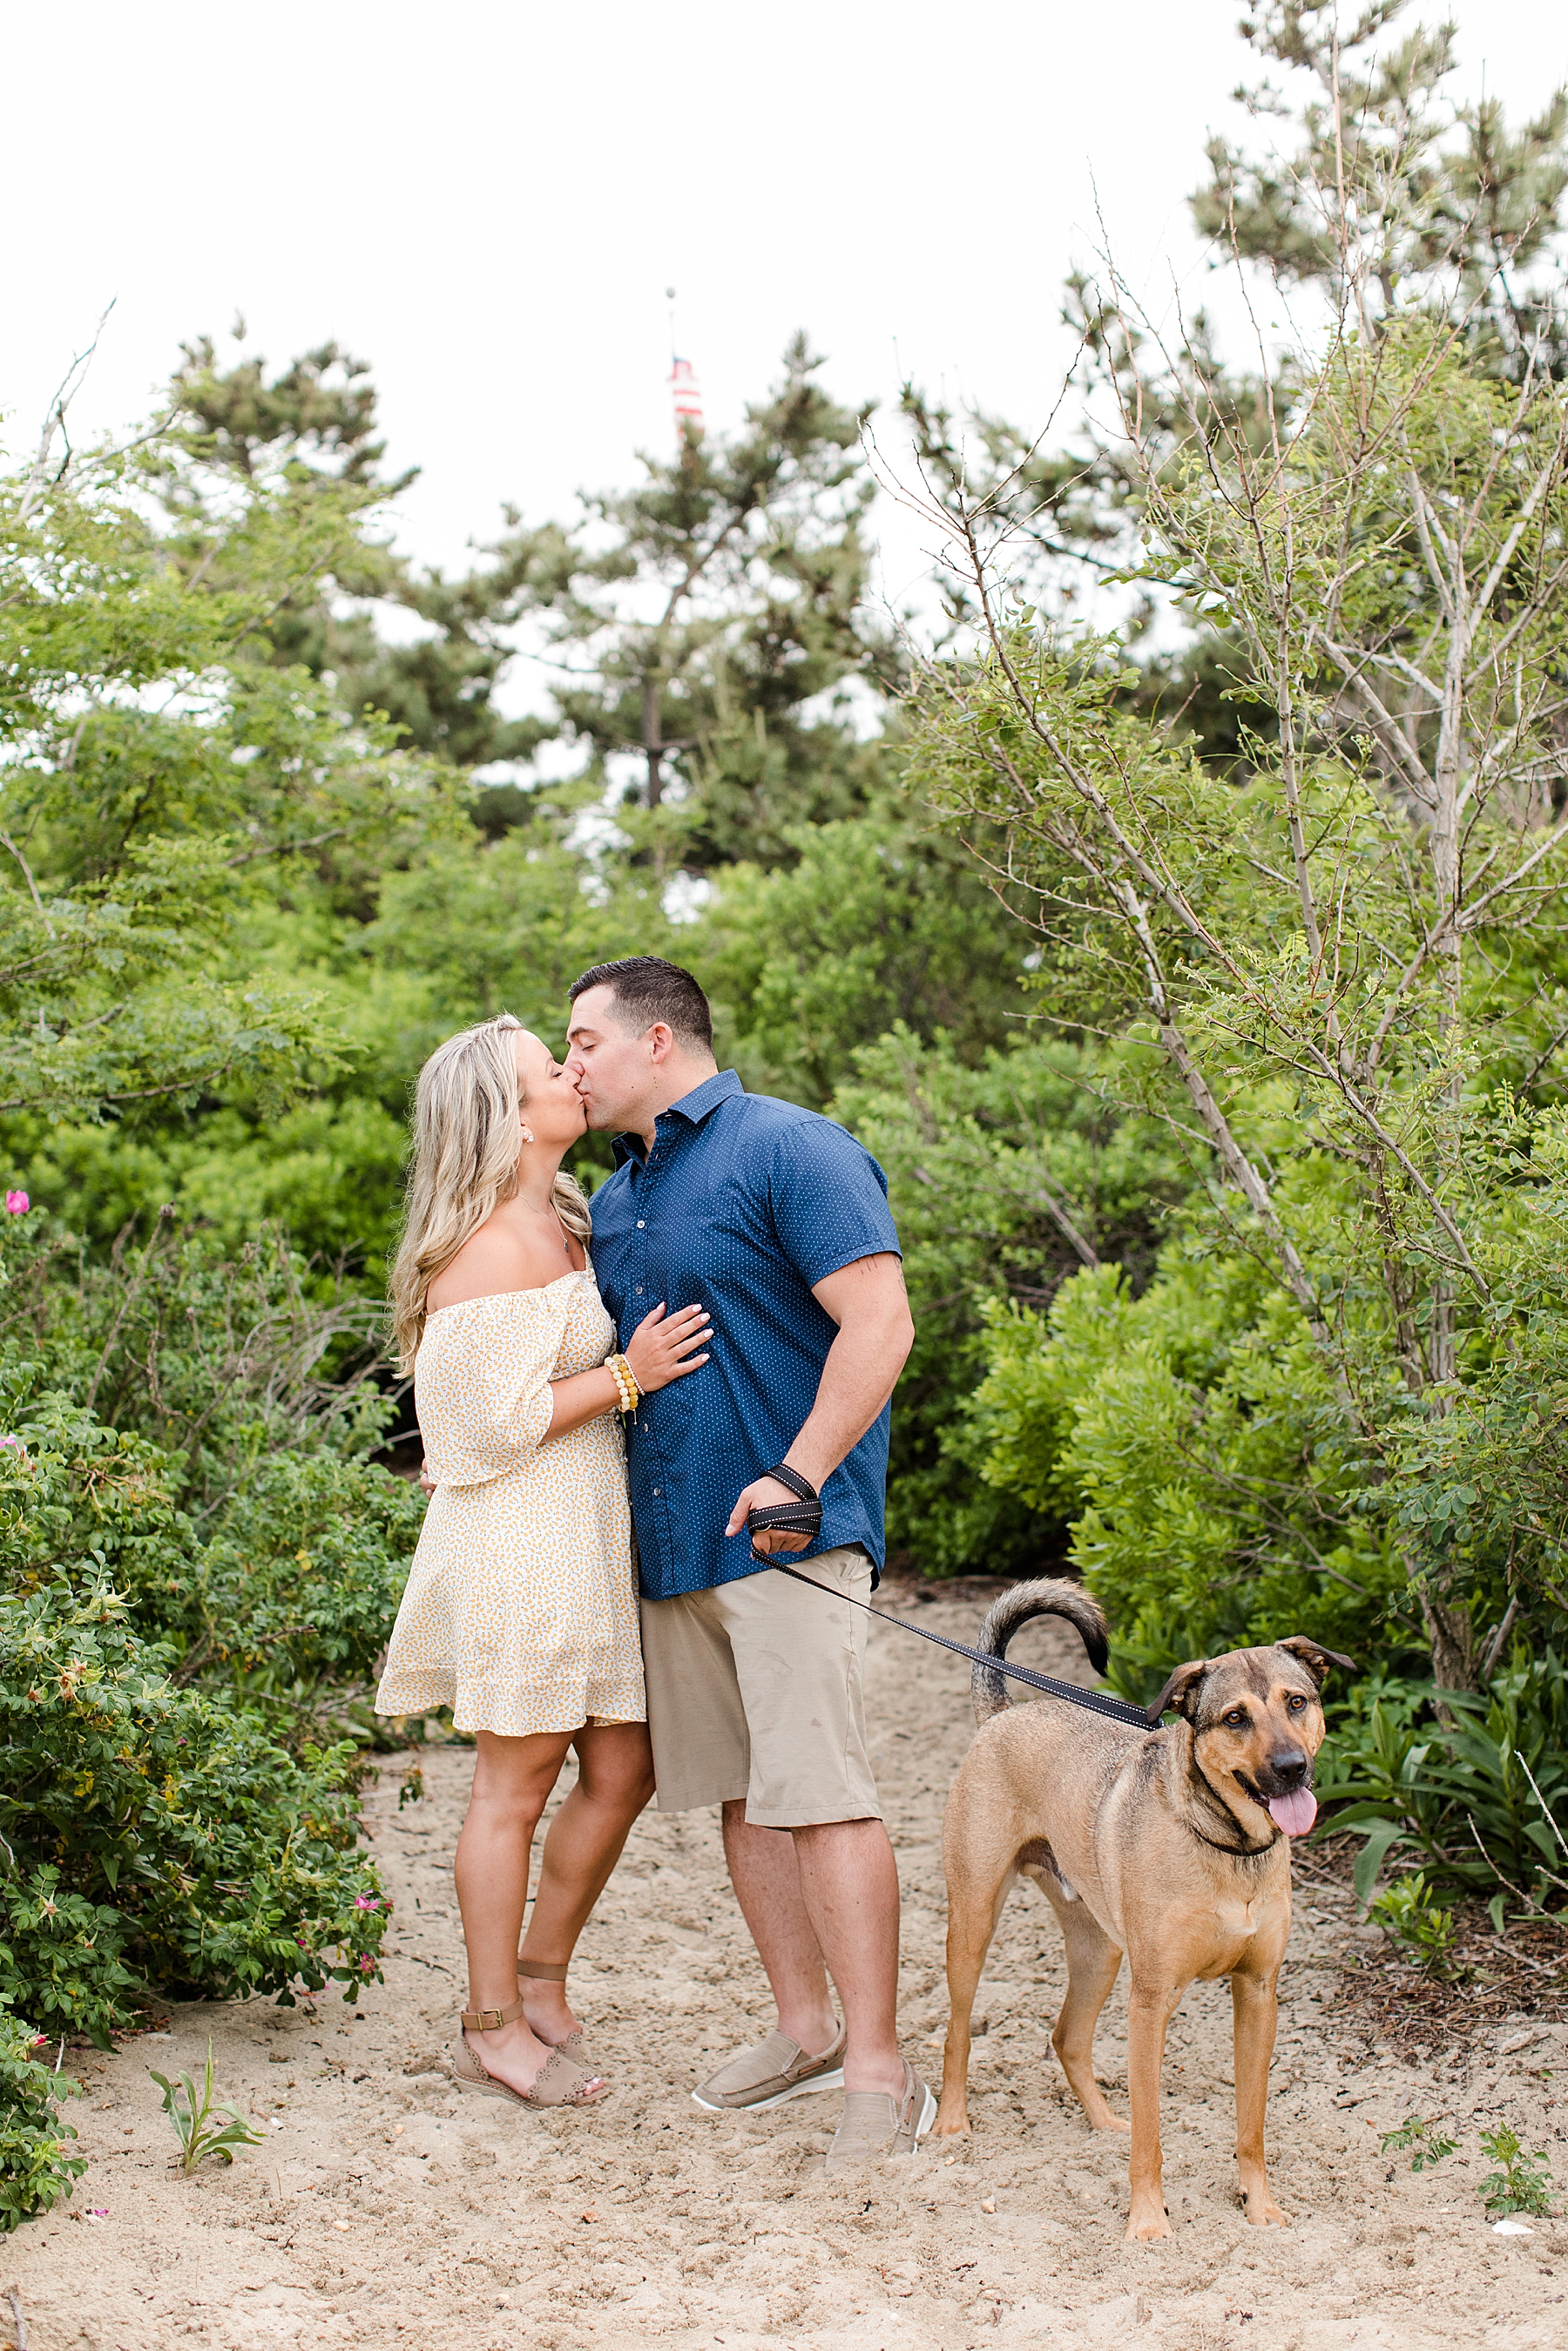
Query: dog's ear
(1180, 1690)
(1315, 1657)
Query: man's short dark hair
(647, 989)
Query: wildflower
(367, 1901)
(366, 1965)
(18, 1203)
(17, 1442)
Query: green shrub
(1406, 1910)
(1485, 1796)
(1520, 2183)
(986, 1159)
(61, 1953)
(220, 1362)
(36, 2167)
(294, 1584)
(214, 1861)
(1191, 1438)
(302, 1578)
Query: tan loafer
(776, 2070)
(875, 2125)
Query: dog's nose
(1289, 1766)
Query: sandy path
(382, 2213)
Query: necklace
(550, 1209)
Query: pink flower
(15, 1441)
(366, 1965)
(367, 1901)
(18, 1203)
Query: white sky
(488, 200)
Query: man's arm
(868, 1302)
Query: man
(777, 1221)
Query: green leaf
(1383, 1835)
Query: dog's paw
(1144, 2228)
(1262, 2212)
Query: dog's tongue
(1295, 1812)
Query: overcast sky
(487, 202)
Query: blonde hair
(466, 1141)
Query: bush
(36, 2167)
(1484, 1795)
(295, 1587)
(214, 1861)
(1191, 1440)
(185, 1588)
(300, 1584)
(221, 1363)
(1000, 1171)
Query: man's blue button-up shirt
(741, 1205)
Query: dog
(1171, 1845)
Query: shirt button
(639, 1289)
(657, 1491)
(641, 1222)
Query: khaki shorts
(755, 1690)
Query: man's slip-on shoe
(776, 2069)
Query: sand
(382, 2212)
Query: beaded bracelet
(626, 1387)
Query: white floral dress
(520, 1610)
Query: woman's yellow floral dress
(520, 1610)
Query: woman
(520, 1610)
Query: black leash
(804, 1516)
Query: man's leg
(766, 1876)
(829, 1898)
(823, 1901)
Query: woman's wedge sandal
(557, 2083)
(554, 1971)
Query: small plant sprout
(207, 2128)
(1520, 2183)
(1407, 1911)
(1423, 2140)
(412, 1792)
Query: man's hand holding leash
(868, 1302)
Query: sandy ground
(384, 2213)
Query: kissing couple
(707, 1358)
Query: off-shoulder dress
(520, 1610)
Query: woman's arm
(587, 1395)
(656, 1354)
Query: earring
(527, 1134)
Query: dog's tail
(1048, 1597)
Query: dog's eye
(1237, 1718)
(1295, 1701)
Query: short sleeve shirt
(742, 1204)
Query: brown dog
(1171, 1845)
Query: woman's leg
(512, 1780)
(614, 1780)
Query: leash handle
(803, 1516)
(1115, 1709)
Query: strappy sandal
(557, 2083)
(554, 1971)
